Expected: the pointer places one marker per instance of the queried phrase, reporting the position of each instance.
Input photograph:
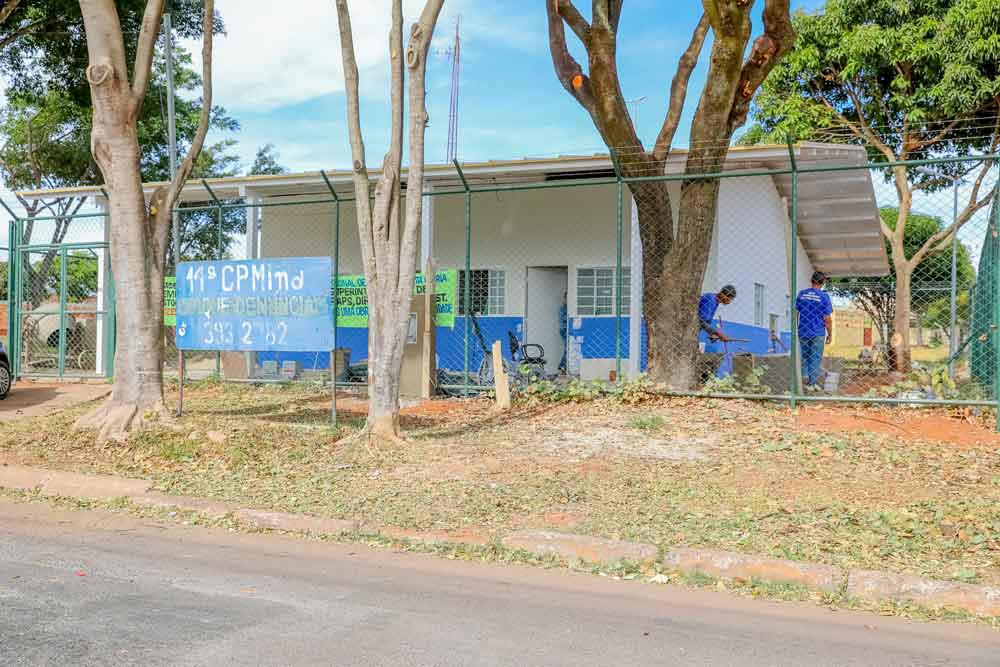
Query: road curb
(580, 547)
(873, 586)
(71, 484)
(731, 566)
(865, 585)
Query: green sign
(352, 299)
(170, 301)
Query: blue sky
(279, 74)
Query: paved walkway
(31, 399)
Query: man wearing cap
(815, 327)
(707, 305)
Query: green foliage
(81, 276)
(877, 296)
(574, 391)
(733, 384)
(647, 422)
(635, 390)
(631, 391)
(932, 382)
(266, 162)
(46, 46)
(889, 62)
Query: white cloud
(280, 53)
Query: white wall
(751, 248)
(572, 227)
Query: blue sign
(281, 305)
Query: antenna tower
(456, 70)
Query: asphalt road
(94, 588)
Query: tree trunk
(388, 238)
(672, 279)
(138, 389)
(900, 342)
(137, 238)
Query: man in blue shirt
(815, 326)
(707, 305)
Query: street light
(953, 322)
(635, 102)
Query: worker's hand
(829, 339)
(724, 338)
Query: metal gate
(62, 306)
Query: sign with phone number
(282, 305)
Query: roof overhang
(838, 217)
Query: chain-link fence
(60, 304)
(695, 277)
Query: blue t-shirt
(707, 305)
(813, 305)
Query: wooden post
(500, 380)
(428, 376)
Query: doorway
(545, 293)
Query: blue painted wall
(597, 334)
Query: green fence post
(13, 298)
(218, 256)
(793, 278)
(995, 240)
(467, 291)
(63, 279)
(619, 224)
(336, 277)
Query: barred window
(488, 292)
(759, 305)
(595, 291)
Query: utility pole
(168, 35)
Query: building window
(595, 291)
(488, 292)
(759, 303)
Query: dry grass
(727, 474)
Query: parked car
(5, 378)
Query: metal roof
(838, 215)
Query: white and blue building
(531, 248)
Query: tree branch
(575, 20)
(568, 70)
(417, 49)
(28, 29)
(144, 52)
(362, 184)
(8, 9)
(205, 118)
(940, 240)
(678, 90)
(777, 40)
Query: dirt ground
(899, 489)
(954, 427)
(32, 399)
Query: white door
(546, 289)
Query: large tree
(877, 296)
(44, 143)
(138, 234)
(675, 252)
(907, 80)
(389, 234)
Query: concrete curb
(865, 585)
(580, 547)
(874, 586)
(739, 567)
(75, 485)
